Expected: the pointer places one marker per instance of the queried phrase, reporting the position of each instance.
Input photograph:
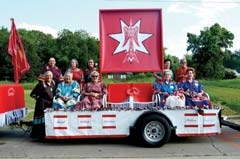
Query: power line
(180, 1)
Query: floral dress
(90, 102)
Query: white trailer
(152, 127)
(131, 41)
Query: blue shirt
(165, 86)
(193, 86)
(68, 89)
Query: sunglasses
(94, 76)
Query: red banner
(131, 40)
(16, 50)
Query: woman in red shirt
(77, 72)
(180, 74)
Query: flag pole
(13, 31)
(16, 50)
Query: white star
(130, 39)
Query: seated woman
(67, 93)
(165, 87)
(43, 93)
(193, 90)
(93, 94)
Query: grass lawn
(225, 93)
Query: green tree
(37, 48)
(175, 61)
(93, 49)
(6, 68)
(234, 61)
(67, 48)
(89, 48)
(78, 45)
(209, 50)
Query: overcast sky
(179, 17)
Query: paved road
(14, 143)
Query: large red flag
(131, 40)
(16, 50)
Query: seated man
(165, 87)
(67, 93)
(193, 90)
(93, 94)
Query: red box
(11, 97)
(120, 92)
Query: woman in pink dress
(93, 94)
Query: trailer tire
(153, 131)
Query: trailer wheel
(153, 131)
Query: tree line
(39, 47)
(210, 52)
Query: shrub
(230, 74)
